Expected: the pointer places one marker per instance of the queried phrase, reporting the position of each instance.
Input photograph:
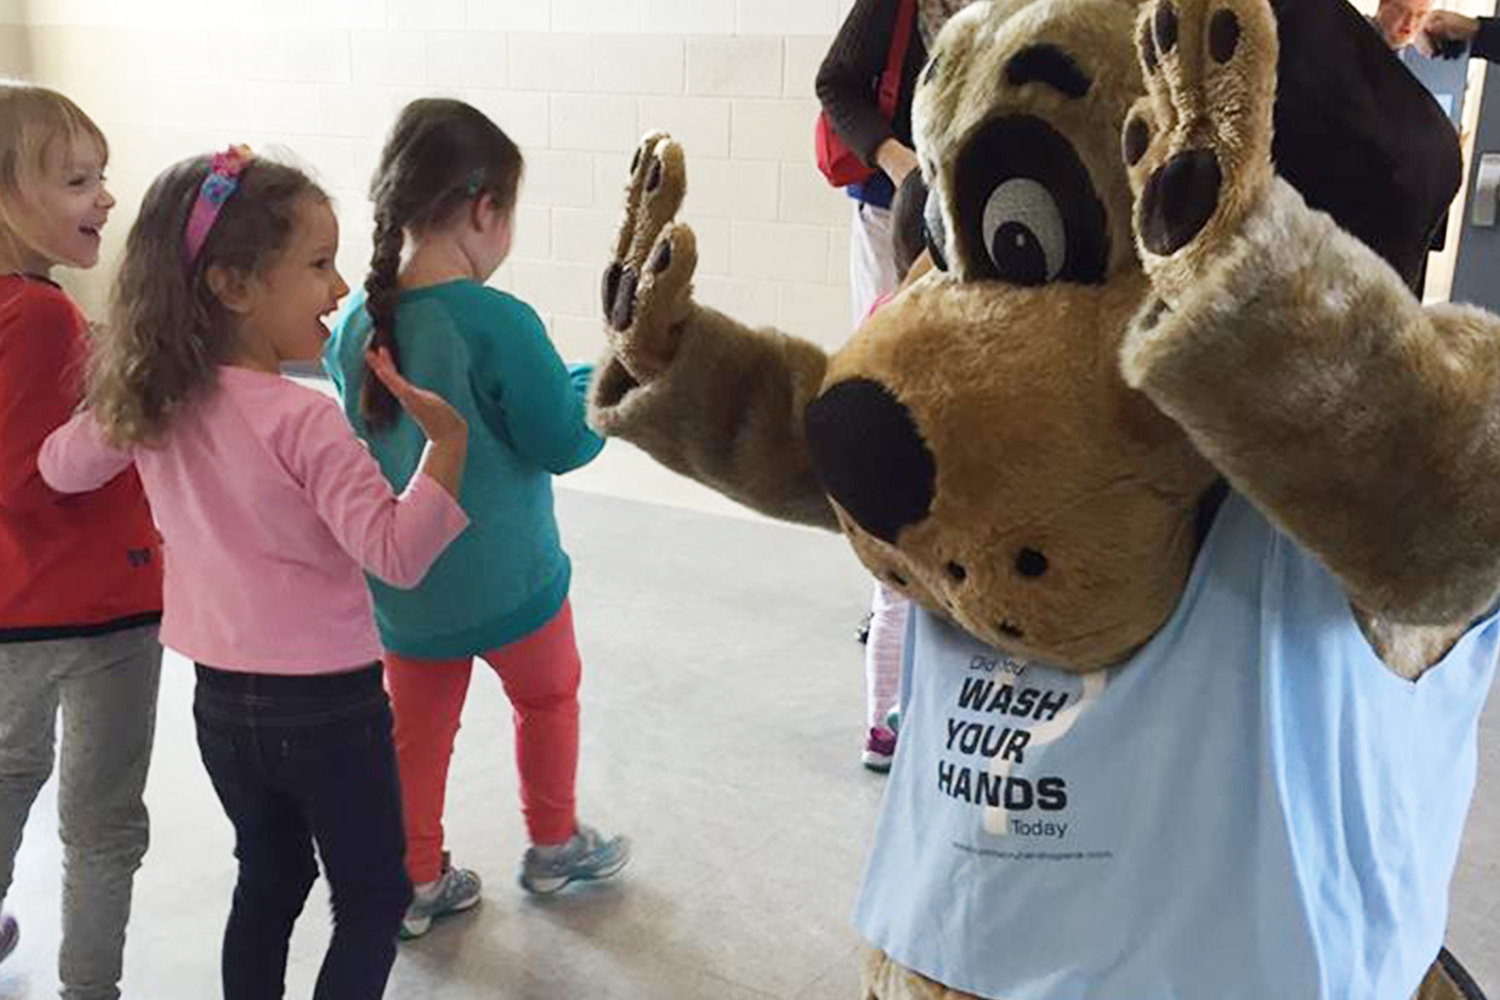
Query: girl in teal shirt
(447, 183)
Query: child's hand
(439, 421)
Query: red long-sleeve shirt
(69, 565)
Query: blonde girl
(80, 577)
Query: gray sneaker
(457, 889)
(10, 935)
(586, 856)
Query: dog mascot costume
(1199, 503)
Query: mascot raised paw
(1199, 504)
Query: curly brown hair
(167, 331)
(442, 156)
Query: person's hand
(896, 160)
(439, 421)
(1444, 26)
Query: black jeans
(298, 761)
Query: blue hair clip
(222, 180)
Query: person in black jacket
(847, 85)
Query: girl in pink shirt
(269, 509)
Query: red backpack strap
(890, 80)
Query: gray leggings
(106, 687)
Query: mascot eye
(935, 232)
(1024, 232)
(1023, 208)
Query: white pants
(872, 258)
(888, 614)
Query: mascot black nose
(866, 450)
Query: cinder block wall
(575, 82)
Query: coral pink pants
(540, 674)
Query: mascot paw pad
(1198, 146)
(646, 286)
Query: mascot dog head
(982, 450)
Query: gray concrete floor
(722, 707)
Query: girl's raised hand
(439, 421)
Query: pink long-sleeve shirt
(269, 509)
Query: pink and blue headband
(222, 180)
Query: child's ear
(487, 213)
(479, 212)
(232, 287)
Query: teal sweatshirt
(488, 355)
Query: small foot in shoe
(586, 856)
(10, 935)
(455, 890)
(880, 749)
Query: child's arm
(37, 363)
(537, 398)
(76, 458)
(396, 539)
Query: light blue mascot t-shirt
(1252, 806)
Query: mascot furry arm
(1370, 428)
(704, 394)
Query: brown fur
(1439, 985)
(1359, 394)
(1362, 393)
(727, 413)
(1040, 446)
(658, 294)
(1371, 430)
(702, 393)
(981, 39)
(1086, 421)
(1407, 649)
(885, 979)
(1192, 103)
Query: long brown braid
(442, 155)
